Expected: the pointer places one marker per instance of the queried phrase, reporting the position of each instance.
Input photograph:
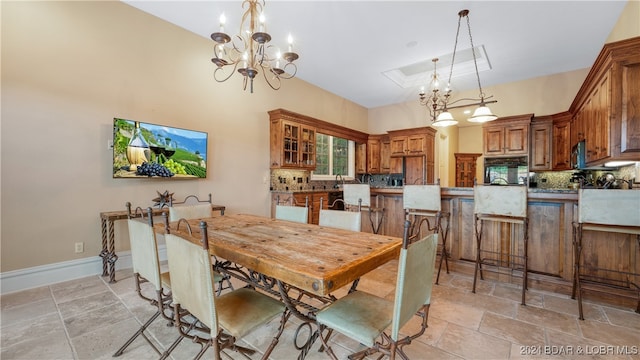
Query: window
(334, 156)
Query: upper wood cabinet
(507, 136)
(361, 158)
(385, 155)
(292, 145)
(561, 144)
(541, 135)
(411, 142)
(605, 111)
(293, 138)
(373, 154)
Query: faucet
(335, 186)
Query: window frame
(351, 160)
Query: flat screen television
(144, 150)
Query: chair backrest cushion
(192, 284)
(500, 200)
(347, 220)
(144, 251)
(421, 197)
(415, 280)
(609, 207)
(352, 192)
(292, 213)
(196, 211)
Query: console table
(108, 253)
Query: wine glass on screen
(170, 148)
(157, 147)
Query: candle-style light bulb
(261, 22)
(245, 57)
(223, 20)
(278, 60)
(290, 41)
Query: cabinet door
(630, 115)
(516, 139)
(361, 158)
(601, 121)
(540, 158)
(385, 156)
(465, 169)
(493, 138)
(291, 142)
(416, 145)
(307, 147)
(398, 145)
(373, 156)
(561, 153)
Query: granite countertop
(399, 189)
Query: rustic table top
(314, 258)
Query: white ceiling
(346, 46)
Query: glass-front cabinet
(293, 145)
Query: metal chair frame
(501, 212)
(221, 340)
(621, 206)
(162, 299)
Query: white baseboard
(44, 275)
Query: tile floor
(90, 319)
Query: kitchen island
(551, 213)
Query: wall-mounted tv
(143, 150)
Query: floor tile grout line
(74, 352)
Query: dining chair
(289, 210)
(365, 317)
(146, 269)
(194, 208)
(190, 208)
(358, 196)
(228, 317)
(340, 219)
(422, 203)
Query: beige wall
(628, 24)
(69, 68)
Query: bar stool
(500, 204)
(359, 195)
(288, 209)
(422, 202)
(622, 215)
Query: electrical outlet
(79, 247)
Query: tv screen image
(143, 150)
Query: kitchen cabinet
(507, 136)
(541, 135)
(361, 158)
(415, 142)
(465, 169)
(293, 145)
(373, 154)
(385, 155)
(605, 112)
(561, 144)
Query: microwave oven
(578, 155)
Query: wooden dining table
(313, 258)
(302, 264)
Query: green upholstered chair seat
(359, 315)
(240, 310)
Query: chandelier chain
(475, 63)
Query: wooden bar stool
(507, 204)
(615, 211)
(422, 202)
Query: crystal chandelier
(438, 102)
(248, 51)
